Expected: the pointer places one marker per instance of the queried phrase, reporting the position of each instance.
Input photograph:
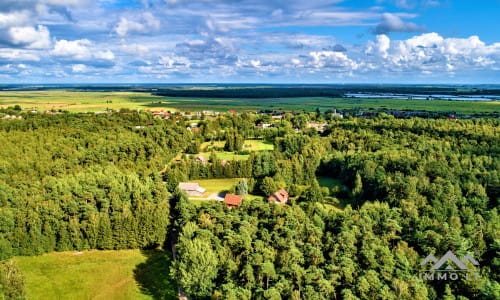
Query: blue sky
(255, 41)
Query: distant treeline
(266, 91)
(314, 91)
(258, 92)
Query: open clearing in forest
(124, 274)
(249, 145)
(216, 185)
(80, 101)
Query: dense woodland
(408, 188)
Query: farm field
(124, 274)
(76, 101)
(311, 103)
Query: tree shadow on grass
(153, 277)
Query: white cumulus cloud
(78, 49)
(393, 23)
(147, 23)
(332, 59)
(38, 38)
(15, 18)
(79, 68)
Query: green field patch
(324, 103)
(338, 192)
(248, 145)
(207, 146)
(76, 101)
(99, 101)
(329, 182)
(124, 274)
(258, 145)
(217, 185)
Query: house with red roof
(232, 200)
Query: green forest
(404, 189)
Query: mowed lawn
(257, 145)
(124, 274)
(217, 185)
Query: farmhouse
(280, 197)
(232, 200)
(192, 188)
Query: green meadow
(323, 103)
(249, 145)
(77, 101)
(124, 274)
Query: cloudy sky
(261, 41)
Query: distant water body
(423, 97)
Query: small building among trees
(232, 200)
(279, 197)
(200, 158)
(192, 189)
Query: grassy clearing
(334, 202)
(126, 274)
(329, 182)
(257, 145)
(98, 101)
(217, 185)
(249, 145)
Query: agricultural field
(324, 103)
(83, 101)
(75, 101)
(125, 274)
